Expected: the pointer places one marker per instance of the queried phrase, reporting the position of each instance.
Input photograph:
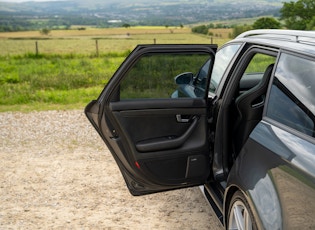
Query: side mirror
(184, 78)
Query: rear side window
(255, 70)
(292, 96)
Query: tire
(240, 215)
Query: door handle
(164, 143)
(182, 119)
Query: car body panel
(293, 175)
(275, 175)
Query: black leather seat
(249, 106)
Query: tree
(126, 25)
(266, 23)
(311, 24)
(44, 31)
(211, 26)
(237, 30)
(203, 29)
(297, 15)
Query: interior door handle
(180, 119)
(164, 143)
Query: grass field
(109, 40)
(66, 72)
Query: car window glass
(222, 60)
(201, 78)
(255, 70)
(259, 63)
(153, 76)
(292, 96)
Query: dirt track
(56, 173)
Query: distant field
(96, 32)
(109, 40)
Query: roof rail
(292, 35)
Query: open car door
(159, 141)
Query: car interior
(249, 106)
(240, 111)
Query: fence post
(36, 48)
(154, 41)
(96, 44)
(211, 40)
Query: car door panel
(158, 144)
(171, 127)
(185, 164)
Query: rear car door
(159, 141)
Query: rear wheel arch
(238, 211)
(227, 200)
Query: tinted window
(201, 78)
(292, 97)
(153, 75)
(255, 70)
(222, 59)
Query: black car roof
(295, 40)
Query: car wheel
(240, 216)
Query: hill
(110, 13)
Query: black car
(239, 120)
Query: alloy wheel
(240, 216)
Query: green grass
(67, 73)
(53, 79)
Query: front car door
(159, 141)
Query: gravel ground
(56, 173)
